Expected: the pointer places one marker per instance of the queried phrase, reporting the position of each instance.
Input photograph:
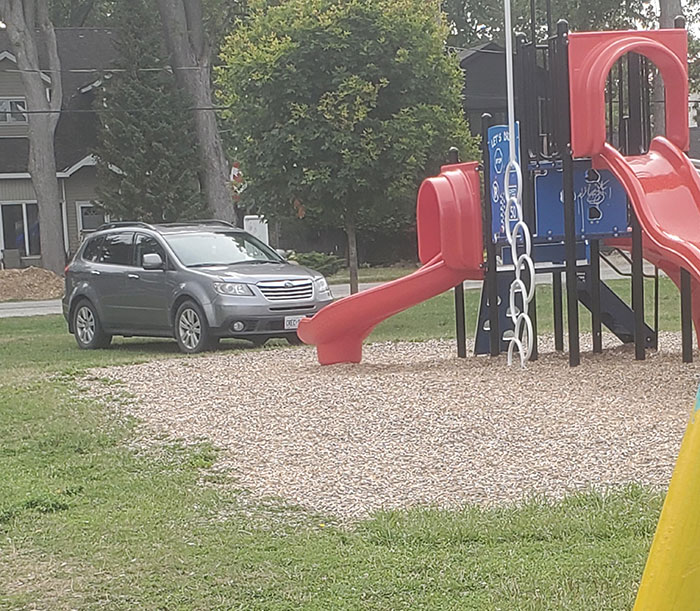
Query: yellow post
(671, 579)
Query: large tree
(190, 57)
(472, 23)
(342, 107)
(29, 29)
(147, 163)
(81, 13)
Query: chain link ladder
(522, 338)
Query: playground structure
(592, 177)
(584, 184)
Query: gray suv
(198, 282)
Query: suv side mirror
(152, 260)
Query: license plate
(292, 322)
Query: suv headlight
(322, 285)
(237, 289)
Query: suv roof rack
(113, 225)
(199, 222)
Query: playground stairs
(615, 314)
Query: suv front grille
(286, 290)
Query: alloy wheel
(190, 328)
(85, 324)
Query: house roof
(84, 53)
(466, 56)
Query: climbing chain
(522, 324)
(519, 239)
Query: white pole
(523, 336)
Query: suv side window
(92, 249)
(146, 244)
(117, 249)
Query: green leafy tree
(472, 23)
(342, 107)
(147, 162)
(81, 13)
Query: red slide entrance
(450, 246)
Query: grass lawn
(88, 519)
(435, 318)
(373, 274)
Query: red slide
(664, 189)
(450, 245)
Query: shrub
(321, 262)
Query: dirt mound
(31, 283)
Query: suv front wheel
(87, 327)
(191, 328)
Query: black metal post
(526, 113)
(686, 317)
(634, 135)
(563, 127)
(491, 279)
(656, 308)
(637, 288)
(594, 278)
(558, 310)
(453, 157)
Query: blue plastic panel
(499, 154)
(600, 201)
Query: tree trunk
(669, 10)
(42, 167)
(28, 25)
(190, 58)
(352, 253)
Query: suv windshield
(220, 248)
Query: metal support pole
(526, 113)
(634, 144)
(453, 157)
(637, 288)
(686, 317)
(656, 308)
(558, 310)
(570, 244)
(491, 264)
(594, 278)
(560, 70)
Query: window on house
(13, 110)
(20, 228)
(90, 217)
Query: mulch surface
(31, 283)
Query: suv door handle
(95, 272)
(134, 276)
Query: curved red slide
(664, 189)
(450, 245)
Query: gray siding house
(84, 52)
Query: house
(83, 52)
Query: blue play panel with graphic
(599, 199)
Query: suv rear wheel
(87, 327)
(191, 328)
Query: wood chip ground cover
(30, 283)
(414, 425)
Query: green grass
(373, 274)
(89, 519)
(435, 318)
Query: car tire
(191, 328)
(87, 327)
(293, 340)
